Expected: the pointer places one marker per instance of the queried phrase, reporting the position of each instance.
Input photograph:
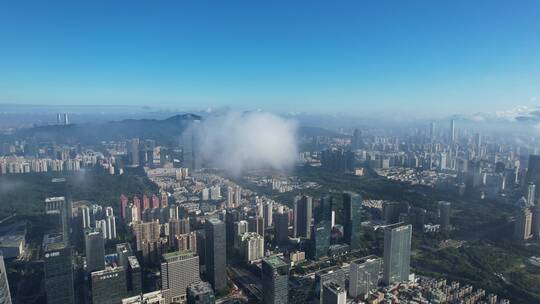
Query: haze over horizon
(424, 59)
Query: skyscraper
(523, 226)
(303, 207)
(133, 153)
(324, 211)
(267, 214)
(109, 286)
(239, 228)
(216, 254)
(256, 224)
(190, 156)
(356, 141)
(533, 172)
(531, 190)
(352, 205)
(397, 253)
(133, 275)
(364, 275)
(111, 227)
(58, 269)
(320, 239)
(95, 251)
(231, 218)
(275, 280)
(333, 294)
(444, 214)
(253, 246)
(452, 130)
(281, 229)
(536, 221)
(85, 217)
(178, 270)
(5, 296)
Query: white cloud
(238, 141)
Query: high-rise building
(124, 202)
(238, 195)
(356, 141)
(352, 205)
(397, 253)
(536, 221)
(452, 130)
(533, 172)
(303, 208)
(190, 155)
(147, 232)
(333, 294)
(444, 214)
(336, 274)
(95, 251)
(364, 275)
(231, 219)
(111, 227)
(275, 280)
(523, 226)
(253, 246)
(85, 217)
(134, 276)
(5, 296)
(58, 269)
(133, 152)
(109, 286)
(200, 293)
(281, 229)
(239, 228)
(267, 214)
(256, 224)
(320, 239)
(179, 226)
(216, 254)
(531, 190)
(324, 210)
(178, 270)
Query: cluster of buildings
(455, 159)
(58, 159)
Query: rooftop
(175, 254)
(275, 261)
(53, 242)
(55, 199)
(133, 262)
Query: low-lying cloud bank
(253, 140)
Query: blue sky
(413, 57)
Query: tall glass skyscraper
(275, 280)
(303, 208)
(58, 270)
(364, 275)
(216, 254)
(95, 251)
(397, 253)
(320, 239)
(352, 205)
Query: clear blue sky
(431, 57)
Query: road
(248, 282)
